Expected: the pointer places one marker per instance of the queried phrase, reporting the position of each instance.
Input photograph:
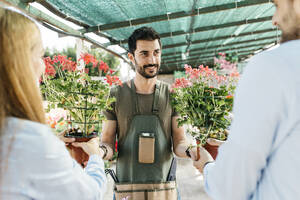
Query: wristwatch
(187, 152)
(104, 148)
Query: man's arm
(180, 144)
(108, 137)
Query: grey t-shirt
(123, 108)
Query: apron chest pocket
(146, 148)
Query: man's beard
(142, 70)
(294, 32)
(293, 35)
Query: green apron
(129, 169)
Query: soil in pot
(76, 152)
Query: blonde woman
(34, 163)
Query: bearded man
(145, 125)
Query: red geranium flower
(88, 58)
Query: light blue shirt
(38, 166)
(261, 159)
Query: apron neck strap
(134, 97)
(155, 108)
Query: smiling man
(260, 160)
(145, 125)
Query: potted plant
(204, 100)
(67, 86)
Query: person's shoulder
(288, 48)
(280, 61)
(31, 135)
(119, 88)
(282, 53)
(26, 126)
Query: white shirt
(40, 167)
(261, 159)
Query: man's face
(147, 57)
(287, 18)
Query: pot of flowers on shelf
(67, 87)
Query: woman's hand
(91, 147)
(66, 140)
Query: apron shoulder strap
(134, 97)
(155, 108)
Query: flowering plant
(56, 118)
(226, 63)
(67, 86)
(204, 100)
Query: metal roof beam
(251, 53)
(28, 1)
(68, 18)
(219, 50)
(220, 38)
(41, 16)
(59, 13)
(171, 16)
(190, 59)
(175, 67)
(58, 26)
(211, 27)
(246, 53)
(263, 49)
(228, 44)
(198, 57)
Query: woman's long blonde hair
(19, 94)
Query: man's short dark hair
(143, 33)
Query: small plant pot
(76, 152)
(213, 150)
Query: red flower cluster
(68, 64)
(203, 72)
(88, 58)
(49, 69)
(65, 64)
(60, 61)
(104, 67)
(113, 80)
(192, 73)
(181, 83)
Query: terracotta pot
(213, 150)
(77, 153)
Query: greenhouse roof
(192, 31)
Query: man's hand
(211, 141)
(205, 157)
(66, 140)
(215, 142)
(193, 152)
